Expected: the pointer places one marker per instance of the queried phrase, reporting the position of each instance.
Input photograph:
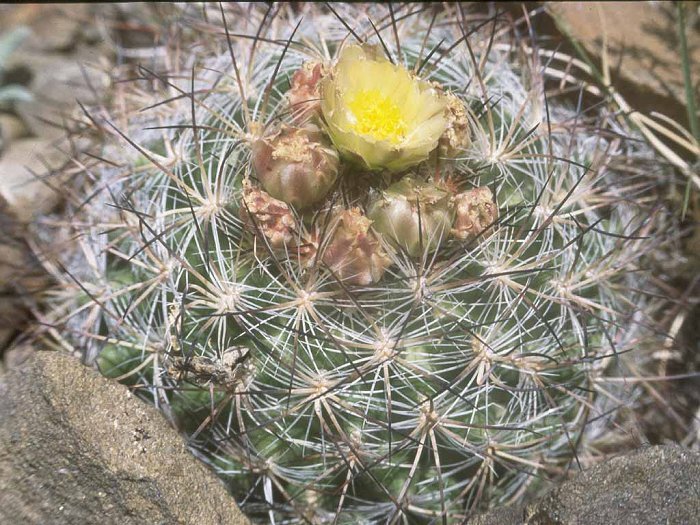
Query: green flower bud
(296, 165)
(413, 214)
(475, 211)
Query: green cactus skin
(463, 378)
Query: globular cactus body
(349, 348)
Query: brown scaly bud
(303, 95)
(296, 165)
(476, 211)
(353, 251)
(263, 215)
(457, 135)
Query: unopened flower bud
(414, 214)
(271, 218)
(296, 165)
(457, 136)
(475, 212)
(353, 252)
(304, 95)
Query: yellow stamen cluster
(377, 116)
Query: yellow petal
(379, 113)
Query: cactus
(395, 319)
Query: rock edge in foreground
(77, 448)
(649, 486)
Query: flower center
(377, 116)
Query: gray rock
(642, 40)
(57, 83)
(32, 178)
(15, 356)
(500, 516)
(56, 28)
(11, 128)
(76, 448)
(650, 486)
(58, 31)
(27, 186)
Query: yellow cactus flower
(380, 114)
